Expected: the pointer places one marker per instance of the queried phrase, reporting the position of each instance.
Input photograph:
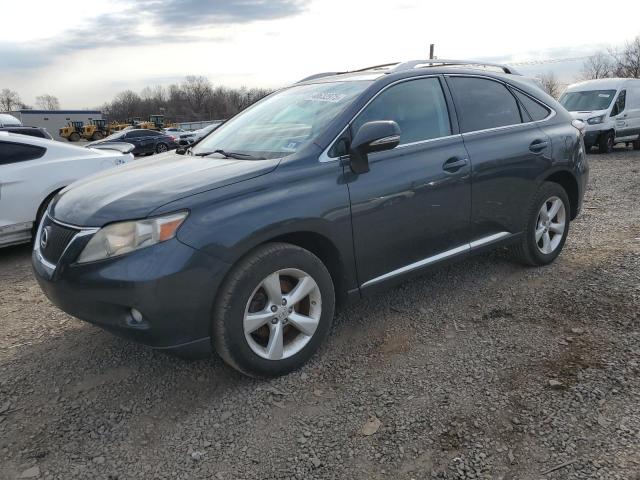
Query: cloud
(163, 22)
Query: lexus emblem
(44, 238)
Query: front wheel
(636, 144)
(605, 142)
(273, 311)
(547, 226)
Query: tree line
(193, 99)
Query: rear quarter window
(18, 152)
(535, 110)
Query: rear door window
(417, 106)
(17, 152)
(483, 104)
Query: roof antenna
(431, 49)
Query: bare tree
(197, 90)
(47, 102)
(597, 66)
(9, 100)
(550, 84)
(627, 60)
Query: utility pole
(431, 49)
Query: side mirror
(372, 137)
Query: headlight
(595, 120)
(124, 237)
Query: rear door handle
(454, 164)
(538, 145)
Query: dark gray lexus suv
(324, 191)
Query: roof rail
(328, 74)
(445, 62)
(403, 66)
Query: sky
(86, 54)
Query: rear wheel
(636, 144)
(547, 226)
(97, 136)
(40, 213)
(273, 311)
(161, 147)
(74, 137)
(605, 142)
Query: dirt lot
(484, 369)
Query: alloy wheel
(550, 225)
(282, 314)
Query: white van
(610, 108)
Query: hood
(136, 189)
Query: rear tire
(161, 147)
(41, 211)
(74, 137)
(605, 142)
(97, 136)
(636, 144)
(543, 238)
(254, 329)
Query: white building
(54, 120)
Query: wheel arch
(567, 181)
(323, 248)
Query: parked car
(33, 170)
(610, 107)
(31, 131)
(146, 142)
(197, 135)
(327, 190)
(7, 120)
(173, 131)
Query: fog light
(136, 316)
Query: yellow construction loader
(96, 130)
(73, 131)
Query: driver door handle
(454, 164)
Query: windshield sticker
(326, 97)
(604, 95)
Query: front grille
(55, 240)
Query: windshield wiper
(236, 155)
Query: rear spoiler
(122, 147)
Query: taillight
(579, 125)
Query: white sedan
(33, 170)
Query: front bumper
(591, 137)
(171, 284)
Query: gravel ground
(483, 369)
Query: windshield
(587, 101)
(284, 122)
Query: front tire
(605, 142)
(547, 226)
(636, 144)
(273, 311)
